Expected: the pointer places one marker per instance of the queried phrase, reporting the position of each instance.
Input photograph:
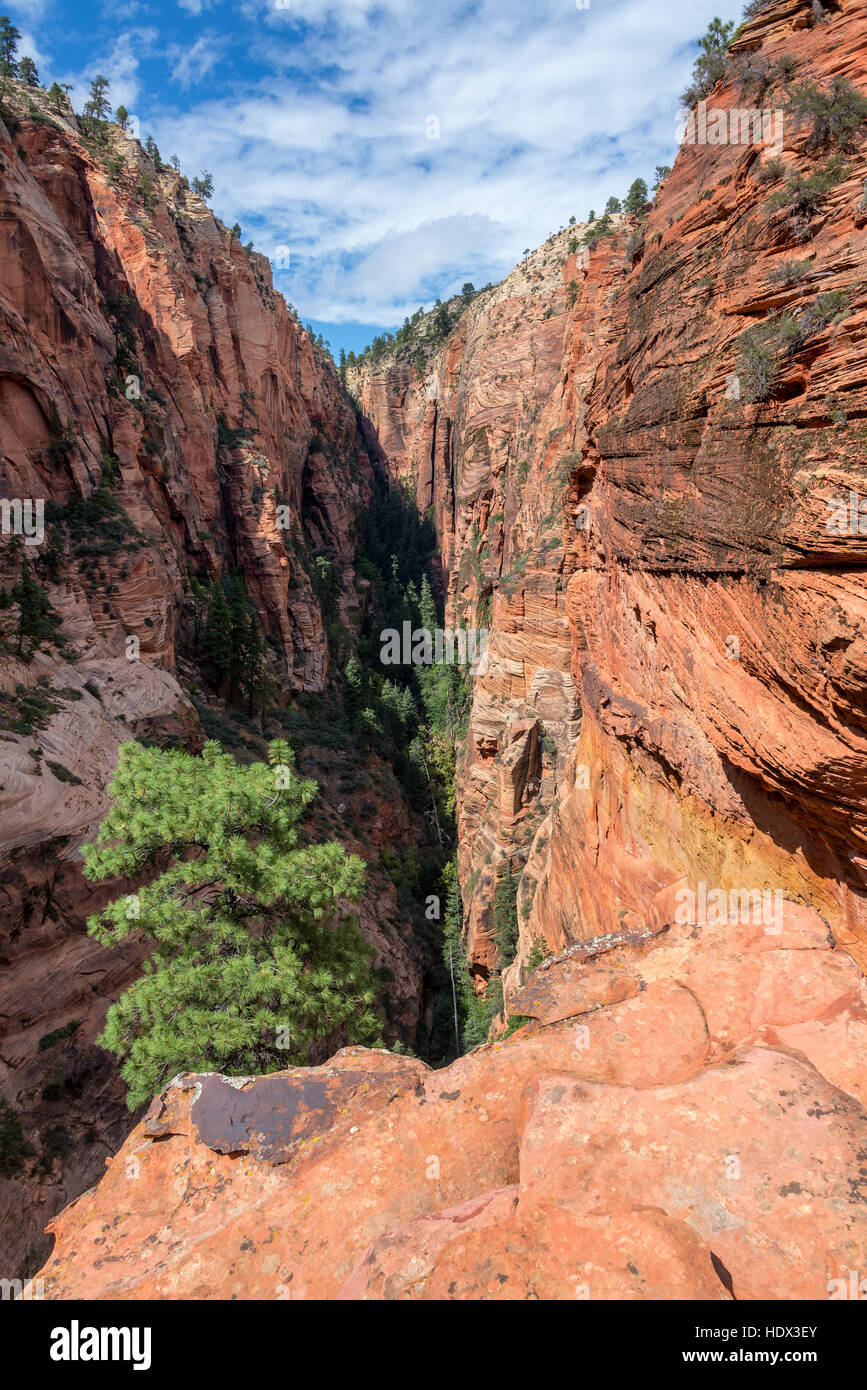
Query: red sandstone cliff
(635, 527)
(135, 329)
(675, 697)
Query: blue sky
(383, 153)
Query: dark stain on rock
(268, 1116)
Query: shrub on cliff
(835, 114)
(36, 618)
(14, 1148)
(604, 227)
(256, 967)
(758, 364)
(790, 272)
(803, 197)
(764, 347)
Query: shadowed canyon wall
(676, 685)
(634, 499)
(138, 340)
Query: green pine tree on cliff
(255, 966)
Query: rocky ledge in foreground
(682, 1117)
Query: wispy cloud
(120, 62)
(318, 117)
(190, 65)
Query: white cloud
(30, 47)
(544, 110)
(193, 63)
(31, 10)
(120, 64)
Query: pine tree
(9, 37)
(238, 606)
(505, 914)
(35, 612)
(56, 97)
(217, 654)
(204, 185)
(453, 953)
(27, 72)
(98, 107)
(710, 64)
(353, 690)
(255, 675)
(199, 595)
(121, 115)
(442, 323)
(14, 1148)
(255, 968)
(636, 198)
(427, 607)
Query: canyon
(671, 1103)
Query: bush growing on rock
(763, 348)
(791, 272)
(803, 197)
(835, 114)
(758, 367)
(770, 171)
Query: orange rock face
(139, 329)
(717, 623)
(688, 1126)
(486, 436)
(669, 744)
(667, 599)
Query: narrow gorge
(620, 464)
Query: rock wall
(486, 435)
(717, 624)
(681, 1119)
(137, 340)
(669, 614)
(673, 715)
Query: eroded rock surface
(145, 360)
(650, 549)
(684, 1129)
